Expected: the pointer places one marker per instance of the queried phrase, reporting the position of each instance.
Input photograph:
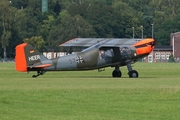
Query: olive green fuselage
(93, 58)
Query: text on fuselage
(33, 58)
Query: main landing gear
(116, 72)
(38, 74)
(131, 73)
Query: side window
(125, 50)
(103, 54)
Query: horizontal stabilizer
(40, 66)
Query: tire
(133, 74)
(116, 73)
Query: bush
(171, 58)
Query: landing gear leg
(116, 72)
(38, 74)
(132, 73)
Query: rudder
(26, 56)
(20, 58)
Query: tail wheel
(116, 73)
(38, 74)
(133, 74)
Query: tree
(5, 41)
(126, 18)
(36, 41)
(171, 59)
(20, 4)
(98, 14)
(67, 19)
(8, 14)
(68, 28)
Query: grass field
(90, 95)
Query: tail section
(27, 56)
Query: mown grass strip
(91, 95)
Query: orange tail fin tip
(20, 59)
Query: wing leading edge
(86, 42)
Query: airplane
(100, 53)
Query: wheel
(116, 73)
(133, 74)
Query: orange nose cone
(144, 46)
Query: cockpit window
(103, 54)
(125, 49)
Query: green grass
(90, 95)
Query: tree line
(22, 21)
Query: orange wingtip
(43, 66)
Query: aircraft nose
(145, 46)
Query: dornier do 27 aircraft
(101, 53)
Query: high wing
(108, 42)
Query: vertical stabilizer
(26, 56)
